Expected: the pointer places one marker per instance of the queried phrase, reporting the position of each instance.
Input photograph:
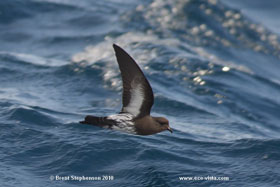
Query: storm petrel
(137, 100)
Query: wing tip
(120, 51)
(115, 46)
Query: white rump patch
(136, 100)
(124, 122)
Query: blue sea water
(214, 67)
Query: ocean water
(214, 67)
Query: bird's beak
(169, 129)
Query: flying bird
(137, 100)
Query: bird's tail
(97, 121)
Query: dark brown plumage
(137, 99)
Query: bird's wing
(138, 97)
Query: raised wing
(138, 97)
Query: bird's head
(163, 123)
